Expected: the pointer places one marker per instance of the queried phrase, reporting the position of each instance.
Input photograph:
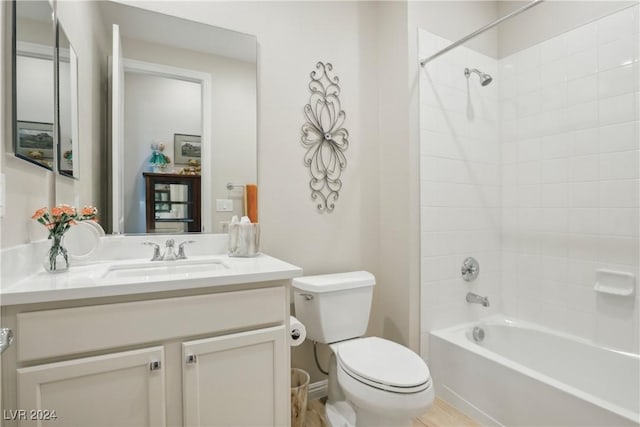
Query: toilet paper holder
(297, 332)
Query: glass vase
(56, 259)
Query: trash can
(299, 391)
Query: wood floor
(441, 414)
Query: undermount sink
(164, 268)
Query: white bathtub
(523, 374)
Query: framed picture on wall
(186, 149)
(35, 140)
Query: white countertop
(89, 281)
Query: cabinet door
(118, 389)
(237, 380)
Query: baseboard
(318, 390)
(461, 404)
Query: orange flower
(39, 213)
(88, 210)
(60, 218)
(68, 210)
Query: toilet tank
(334, 307)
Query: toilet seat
(383, 364)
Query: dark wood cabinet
(173, 202)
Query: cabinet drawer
(55, 333)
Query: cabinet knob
(192, 359)
(155, 365)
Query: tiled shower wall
(535, 175)
(460, 185)
(569, 134)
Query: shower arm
(468, 71)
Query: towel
(251, 204)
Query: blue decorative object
(158, 160)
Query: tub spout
(477, 299)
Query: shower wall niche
(535, 175)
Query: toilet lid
(383, 362)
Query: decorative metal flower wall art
(324, 137)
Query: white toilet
(372, 381)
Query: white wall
(534, 26)
(570, 178)
(30, 187)
(391, 313)
(460, 185)
(233, 117)
(86, 33)
(27, 186)
(451, 20)
(34, 89)
(156, 109)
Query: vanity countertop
(111, 278)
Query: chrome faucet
(477, 299)
(169, 251)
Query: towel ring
(231, 186)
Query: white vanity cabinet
(210, 359)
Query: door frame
(204, 79)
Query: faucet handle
(156, 250)
(181, 254)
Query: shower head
(485, 78)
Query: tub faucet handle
(470, 269)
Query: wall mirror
(182, 121)
(33, 82)
(67, 87)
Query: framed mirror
(182, 103)
(33, 82)
(67, 108)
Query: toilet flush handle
(307, 297)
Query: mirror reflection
(162, 134)
(33, 82)
(67, 87)
(183, 122)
